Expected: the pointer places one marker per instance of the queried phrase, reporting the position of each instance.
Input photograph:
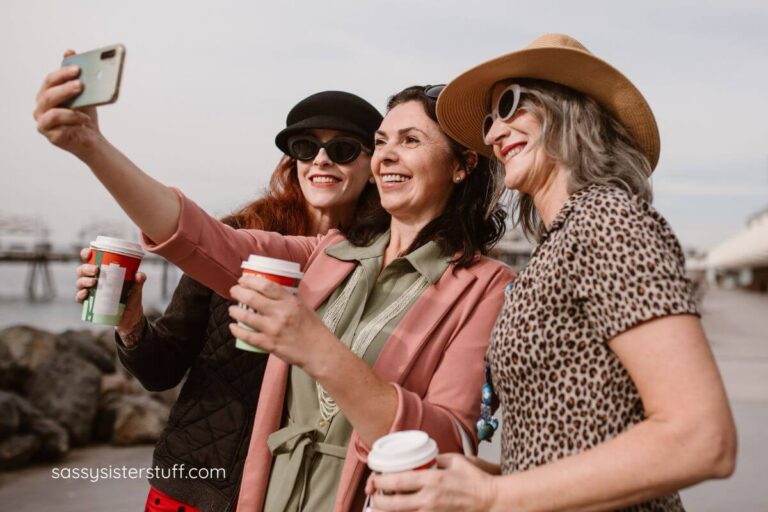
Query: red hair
(283, 208)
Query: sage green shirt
(308, 451)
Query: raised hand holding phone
(100, 74)
(71, 130)
(153, 207)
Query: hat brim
(464, 103)
(319, 122)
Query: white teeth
(323, 179)
(516, 151)
(394, 178)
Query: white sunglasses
(505, 106)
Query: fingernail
(72, 69)
(77, 85)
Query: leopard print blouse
(608, 262)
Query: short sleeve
(628, 266)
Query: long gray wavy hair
(586, 140)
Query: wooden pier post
(39, 266)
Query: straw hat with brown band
(558, 58)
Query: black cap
(333, 110)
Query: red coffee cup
(285, 273)
(117, 260)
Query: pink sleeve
(211, 252)
(454, 391)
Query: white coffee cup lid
(273, 266)
(402, 451)
(119, 246)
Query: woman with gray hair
(611, 396)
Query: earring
(372, 180)
(458, 178)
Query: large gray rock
(83, 343)
(130, 419)
(23, 350)
(121, 383)
(54, 439)
(21, 417)
(18, 450)
(106, 340)
(10, 416)
(66, 389)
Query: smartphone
(100, 72)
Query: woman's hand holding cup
(283, 325)
(72, 130)
(457, 485)
(133, 316)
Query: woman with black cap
(611, 396)
(318, 185)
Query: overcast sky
(208, 84)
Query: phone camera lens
(108, 54)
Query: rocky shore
(65, 390)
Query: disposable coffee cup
(285, 273)
(117, 261)
(409, 450)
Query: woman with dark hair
(382, 337)
(610, 393)
(311, 191)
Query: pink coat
(433, 359)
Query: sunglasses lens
(434, 91)
(343, 151)
(487, 123)
(507, 104)
(303, 149)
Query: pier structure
(26, 240)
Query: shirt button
(322, 423)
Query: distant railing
(39, 284)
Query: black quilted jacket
(210, 424)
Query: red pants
(159, 502)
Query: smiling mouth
(394, 178)
(324, 180)
(511, 151)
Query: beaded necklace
(363, 338)
(487, 425)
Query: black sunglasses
(433, 91)
(341, 150)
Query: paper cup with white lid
(408, 450)
(283, 272)
(117, 261)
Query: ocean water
(63, 312)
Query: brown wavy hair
(474, 218)
(283, 208)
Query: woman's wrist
(490, 499)
(489, 467)
(93, 150)
(131, 337)
(320, 361)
